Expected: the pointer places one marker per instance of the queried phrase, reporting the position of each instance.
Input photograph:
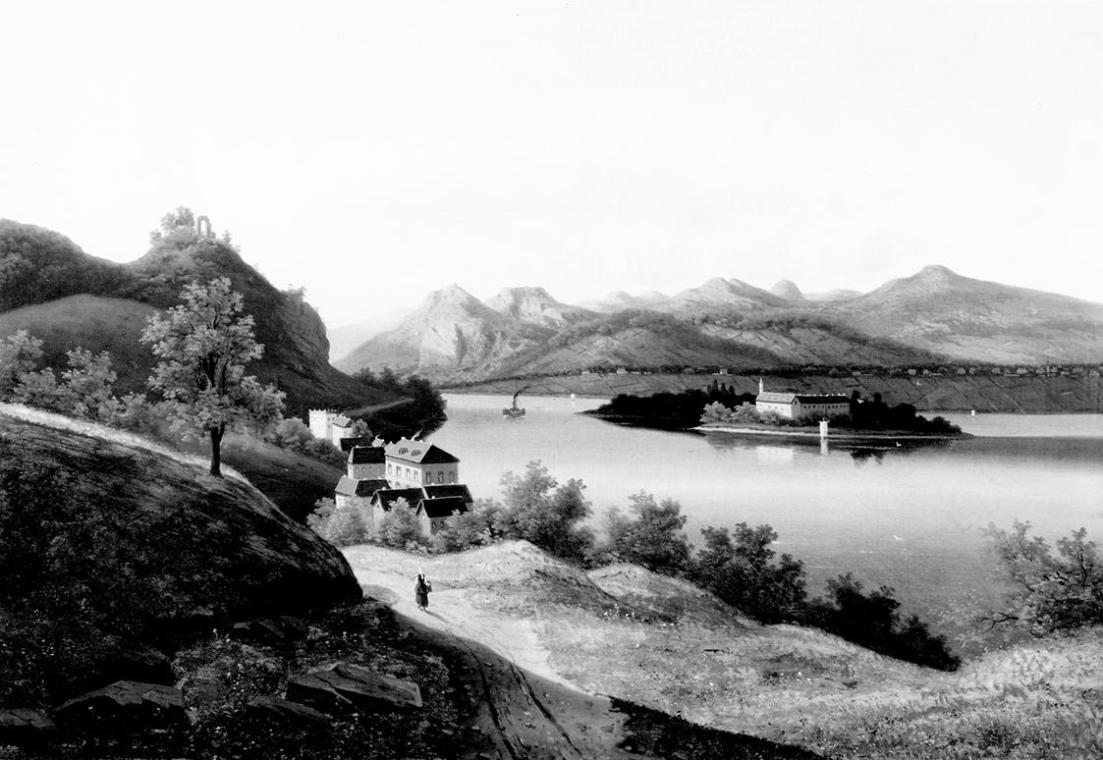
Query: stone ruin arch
(203, 227)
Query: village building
(329, 425)
(353, 492)
(417, 463)
(796, 405)
(367, 463)
(431, 513)
(420, 475)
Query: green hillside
(55, 291)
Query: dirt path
(524, 708)
(452, 610)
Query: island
(783, 413)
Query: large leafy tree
(204, 345)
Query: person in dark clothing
(421, 591)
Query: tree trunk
(216, 452)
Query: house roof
(348, 443)
(386, 497)
(443, 507)
(367, 455)
(418, 452)
(454, 489)
(347, 486)
(341, 421)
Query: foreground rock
(343, 686)
(125, 707)
(22, 727)
(130, 549)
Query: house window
(451, 477)
(440, 476)
(428, 477)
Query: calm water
(909, 516)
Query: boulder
(346, 686)
(125, 707)
(285, 717)
(144, 666)
(22, 727)
(272, 632)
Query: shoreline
(834, 435)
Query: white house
(412, 464)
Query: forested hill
(57, 292)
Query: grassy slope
(292, 481)
(627, 633)
(92, 322)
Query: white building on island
(796, 405)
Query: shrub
(540, 510)
(1052, 590)
(873, 620)
(741, 569)
(399, 528)
(341, 526)
(653, 539)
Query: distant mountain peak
(788, 290)
(535, 305)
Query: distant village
(408, 474)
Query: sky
(374, 151)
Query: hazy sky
(372, 152)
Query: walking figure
(421, 591)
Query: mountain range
(934, 316)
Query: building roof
(418, 452)
(776, 397)
(367, 455)
(341, 421)
(443, 507)
(386, 497)
(348, 443)
(824, 399)
(347, 486)
(450, 490)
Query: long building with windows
(796, 405)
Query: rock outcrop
(127, 548)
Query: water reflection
(778, 449)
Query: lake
(908, 516)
